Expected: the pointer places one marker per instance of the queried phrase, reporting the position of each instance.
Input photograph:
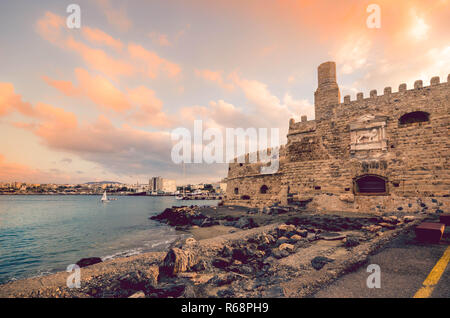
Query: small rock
(200, 266)
(302, 233)
(408, 218)
(190, 241)
(332, 236)
(372, 228)
(284, 228)
(139, 294)
(351, 241)
(295, 238)
(387, 225)
(286, 246)
(220, 262)
(282, 240)
(276, 253)
(320, 261)
(220, 280)
(269, 260)
(227, 251)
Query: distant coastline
(187, 197)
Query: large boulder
(84, 262)
(178, 261)
(181, 216)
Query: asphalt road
(404, 266)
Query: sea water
(43, 234)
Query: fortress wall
(321, 164)
(250, 186)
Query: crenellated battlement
(245, 159)
(402, 89)
(302, 127)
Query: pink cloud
(97, 36)
(216, 77)
(96, 88)
(121, 149)
(152, 62)
(50, 27)
(98, 60)
(160, 39)
(150, 111)
(138, 59)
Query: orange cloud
(150, 108)
(101, 91)
(98, 60)
(66, 87)
(147, 109)
(97, 88)
(117, 149)
(153, 63)
(10, 172)
(160, 39)
(97, 36)
(139, 60)
(10, 101)
(216, 77)
(50, 27)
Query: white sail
(104, 197)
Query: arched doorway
(370, 185)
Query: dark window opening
(245, 197)
(396, 184)
(370, 184)
(414, 117)
(241, 164)
(264, 189)
(236, 190)
(317, 188)
(347, 189)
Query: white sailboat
(105, 198)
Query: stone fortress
(384, 153)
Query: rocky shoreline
(278, 253)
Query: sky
(100, 102)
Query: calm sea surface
(40, 235)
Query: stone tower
(327, 94)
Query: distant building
(159, 184)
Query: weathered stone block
(430, 232)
